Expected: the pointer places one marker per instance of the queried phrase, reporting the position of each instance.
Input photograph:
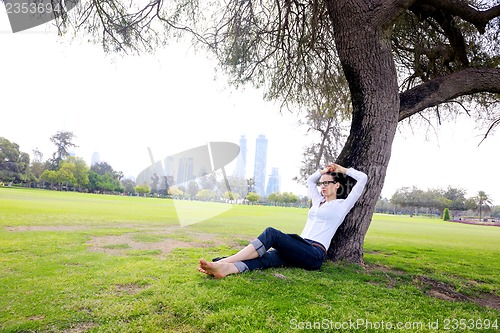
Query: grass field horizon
(75, 262)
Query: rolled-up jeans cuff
(259, 247)
(241, 266)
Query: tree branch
(466, 12)
(444, 89)
(493, 125)
(446, 22)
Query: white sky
(171, 102)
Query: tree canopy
(452, 198)
(14, 164)
(63, 141)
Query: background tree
(208, 181)
(457, 198)
(436, 199)
(471, 203)
(63, 141)
(237, 185)
(207, 195)
(154, 183)
(384, 206)
(103, 167)
(79, 169)
(482, 200)
(103, 178)
(143, 189)
(326, 120)
(273, 197)
(14, 164)
(164, 185)
(289, 198)
(65, 175)
(37, 166)
(409, 197)
(495, 212)
(399, 57)
(175, 191)
(252, 197)
(231, 196)
(49, 176)
(129, 186)
(282, 198)
(192, 189)
(37, 155)
(250, 185)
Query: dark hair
(346, 183)
(335, 175)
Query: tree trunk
(364, 49)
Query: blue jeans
(288, 250)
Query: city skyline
(184, 169)
(262, 187)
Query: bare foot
(218, 269)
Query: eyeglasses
(326, 183)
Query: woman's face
(330, 188)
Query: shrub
(446, 214)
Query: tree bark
(364, 48)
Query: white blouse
(323, 221)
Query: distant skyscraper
(185, 171)
(95, 159)
(274, 182)
(169, 162)
(259, 170)
(241, 162)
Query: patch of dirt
(80, 328)
(129, 288)
(105, 244)
(119, 245)
(383, 268)
(490, 224)
(445, 292)
(47, 228)
(488, 300)
(23, 228)
(386, 270)
(440, 289)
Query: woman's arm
(361, 180)
(312, 187)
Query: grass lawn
(72, 262)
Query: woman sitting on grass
(274, 248)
